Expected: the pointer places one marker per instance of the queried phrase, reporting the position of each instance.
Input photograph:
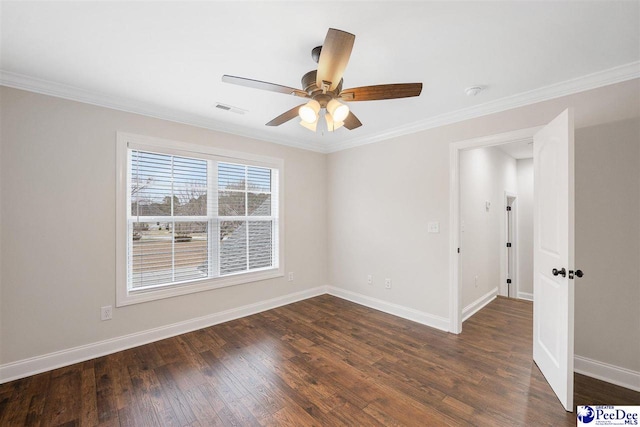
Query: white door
(553, 224)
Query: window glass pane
(231, 177)
(231, 203)
(159, 248)
(259, 179)
(159, 181)
(190, 250)
(151, 252)
(233, 246)
(150, 184)
(191, 200)
(190, 186)
(260, 244)
(259, 204)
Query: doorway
(489, 256)
(456, 304)
(553, 202)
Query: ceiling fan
(324, 90)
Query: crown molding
(568, 87)
(590, 81)
(46, 87)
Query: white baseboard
(525, 295)
(479, 304)
(605, 372)
(35, 365)
(414, 315)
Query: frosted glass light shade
(309, 112)
(311, 126)
(332, 124)
(338, 111)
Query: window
(192, 218)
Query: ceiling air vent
(231, 108)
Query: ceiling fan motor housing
(309, 85)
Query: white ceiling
(166, 59)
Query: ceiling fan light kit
(324, 87)
(309, 111)
(332, 124)
(311, 126)
(338, 111)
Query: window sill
(146, 295)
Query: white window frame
(126, 141)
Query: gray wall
(607, 177)
(381, 197)
(58, 223)
(525, 227)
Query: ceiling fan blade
(285, 117)
(373, 93)
(257, 84)
(352, 122)
(334, 57)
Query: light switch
(433, 227)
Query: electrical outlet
(387, 283)
(291, 276)
(106, 312)
(370, 279)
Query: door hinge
(508, 244)
(509, 281)
(458, 250)
(508, 208)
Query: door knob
(561, 272)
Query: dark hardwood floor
(323, 361)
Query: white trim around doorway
(455, 309)
(515, 274)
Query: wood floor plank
(182, 413)
(40, 387)
(201, 407)
(219, 406)
(62, 405)
(13, 408)
(89, 404)
(105, 396)
(322, 361)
